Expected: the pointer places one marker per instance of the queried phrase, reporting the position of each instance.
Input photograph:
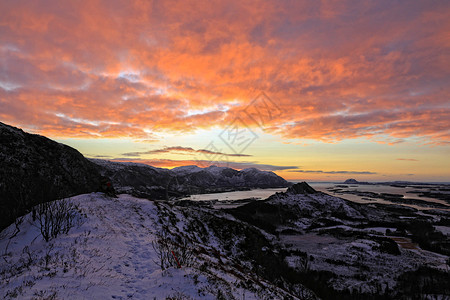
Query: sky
(312, 90)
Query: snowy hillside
(111, 253)
(300, 244)
(354, 248)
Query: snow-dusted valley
(295, 245)
(113, 252)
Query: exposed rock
(301, 188)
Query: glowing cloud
(136, 70)
(113, 69)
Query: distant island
(354, 181)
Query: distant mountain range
(35, 169)
(157, 183)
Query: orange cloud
(130, 69)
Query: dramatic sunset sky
(313, 90)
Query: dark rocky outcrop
(35, 169)
(301, 188)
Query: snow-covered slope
(350, 243)
(279, 248)
(111, 254)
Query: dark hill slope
(35, 169)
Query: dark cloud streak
(407, 159)
(205, 163)
(183, 150)
(334, 172)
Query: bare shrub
(44, 294)
(172, 251)
(179, 296)
(28, 257)
(55, 217)
(302, 263)
(184, 251)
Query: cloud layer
(334, 172)
(335, 70)
(168, 163)
(184, 150)
(407, 159)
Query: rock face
(35, 169)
